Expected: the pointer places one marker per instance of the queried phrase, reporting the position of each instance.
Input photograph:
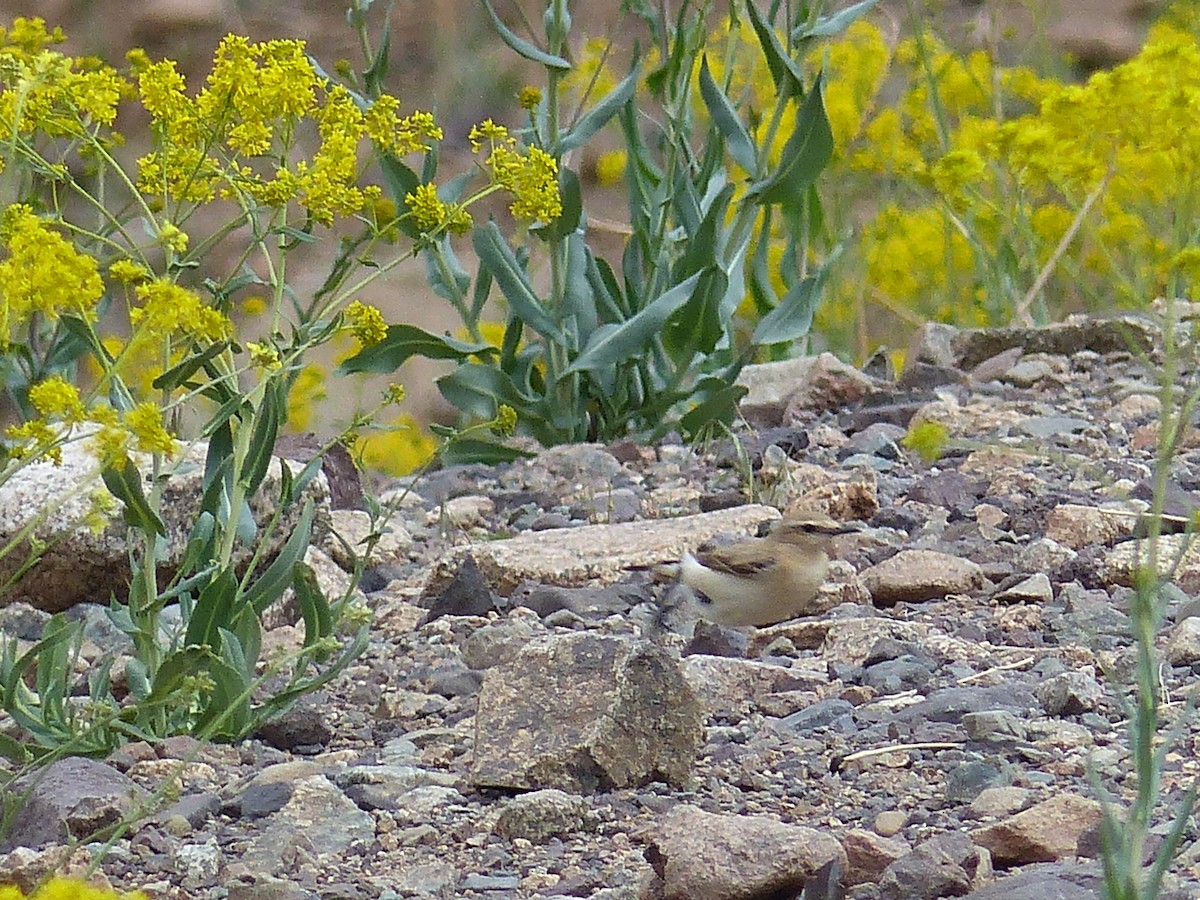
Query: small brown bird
(762, 581)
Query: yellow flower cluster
(366, 322)
(67, 889)
(47, 92)
(529, 175)
(43, 274)
(235, 137)
(170, 310)
(432, 215)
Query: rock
(462, 512)
(595, 553)
(994, 726)
(723, 683)
(499, 642)
(1034, 589)
(1074, 525)
(1043, 833)
(1183, 643)
(966, 348)
(994, 802)
(381, 787)
(721, 857)
(948, 865)
(79, 564)
(1070, 694)
(318, 821)
(912, 576)
(1043, 882)
(540, 815)
(1119, 562)
(464, 593)
(350, 528)
(73, 798)
(305, 724)
(583, 712)
(775, 387)
(868, 854)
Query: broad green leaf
(214, 609)
(572, 203)
(719, 406)
(443, 272)
(833, 25)
(400, 181)
(792, 318)
(613, 344)
(270, 585)
(697, 327)
(181, 372)
(499, 259)
(476, 450)
(805, 154)
(479, 390)
(404, 341)
(727, 120)
(599, 115)
(579, 301)
(789, 82)
(124, 481)
(262, 440)
(314, 608)
(375, 78)
(523, 47)
(605, 289)
(136, 678)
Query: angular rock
(912, 576)
(73, 798)
(80, 564)
(868, 854)
(1120, 561)
(721, 857)
(723, 683)
(1034, 589)
(595, 553)
(948, 865)
(1070, 694)
(1043, 833)
(582, 712)
(813, 383)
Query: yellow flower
(57, 397)
(505, 423)
(306, 394)
(529, 97)
(398, 448)
(610, 167)
(168, 309)
(145, 424)
(44, 274)
(427, 211)
(36, 438)
(366, 322)
(129, 272)
(264, 356)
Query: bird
(764, 581)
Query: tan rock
(1043, 833)
(868, 854)
(1074, 525)
(915, 575)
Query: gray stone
(72, 798)
(948, 865)
(318, 821)
(583, 712)
(1034, 589)
(915, 575)
(813, 383)
(994, 726)
(1043, 882)
(540, 815)
(1070, 694)
(868, 854)
(723, 683)
(381, 787)
(722, 857)
(1183, 643)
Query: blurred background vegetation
(446, 57)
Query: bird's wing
(745, 559)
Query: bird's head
(806, 528)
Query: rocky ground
(533, 719)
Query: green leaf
(137, 678)
(440, 261)
(181, 372)
(697, 327)
(480, 390)
(400, 181)
(262, 441)
(477, 450)
(831, 26)
(727, 120)
(599, 115)
(314, 608)
(375, 78)
(404, 341)
(789, 82)
(792, 318)
(270, 585)
(719, 406)
(613, 344)
(805, 154)
(498, 258)
(124, 481)
(572, 203)
(522, 46)
(214, 609)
